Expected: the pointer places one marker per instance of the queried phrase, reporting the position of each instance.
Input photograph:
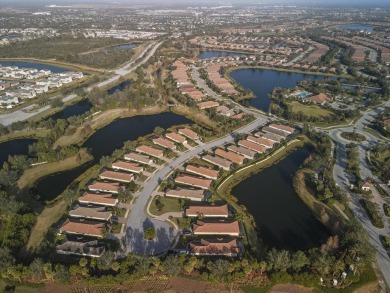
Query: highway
(28, 111)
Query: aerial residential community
(196, 146)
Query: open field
(168, 205)
(309, 110)
(31, 133)
(199, 116)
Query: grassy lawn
(196, 115)
(310, 110)
(149, 169)
(20, 288)
(142, 177)
(168, 205)
(353, 136)
(182, 223)
(34, 173)
(24, 134)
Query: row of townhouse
(213, 72)
(221, 109)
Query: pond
(76, 109)
(262, 81)
(14, 147)
(283, 219)
(103, 143)
(119, 87)
(357, 27)
(39, 66)
(213, 54)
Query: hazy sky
(372, 3)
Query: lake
(119, 87)
(14, 147)
(283, 219)
(357, 27)
(213, 54)
(76, 109)
(103, 143)
(262, 81)
(39, 66)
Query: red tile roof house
(247, 153)
(252, 146)
(207, 105)
(189, 133)
(191, 194)
(126, 166)
(138, 158)
(117, 176)
(150, 151)
(231, 156)
(319, 99)
(82, 227)
(216, 227)
(165, 143)
(109, 187)
(284, 128)
(90, 213)
(194, 181)
(103, 199)
(222, 163)
(261, 141)
(176, 137)
(219, 246)
(202, 171)
(208, 211)
(91, 248)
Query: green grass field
(169, 205)
(310, 110)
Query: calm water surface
(103, 143)
(213, 54)
(357, 27)
(38, 66)
(262, 81)
(119, 87)
(282, 217)
(76, 109)
(14, 147)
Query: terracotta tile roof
(283, 128)
(233, 157)
(105, 186)
(132, 167)
(208, 104)
(84, 227)
(243, 151)
(208, 211)
(261, 141)
(194, 181)
(194, 194)
(138, 158)
(176, 137)
(189, 133)
(320, 98)
(218, 161)
(98, 198)
(238, 116)
(220, 246)
(253, 146)
(99, 213)
(216, 227)
(165, 143)
(150, 151)
(117, 176)
(205, 172)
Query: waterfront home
(142, 159)
(191, 194)
(208, 211)
(90, 213)
(218, 161)
(117, 176)
(208, 247)
(189, 133)
(194, 181)
(102, 199)
(225, 111)
(90, 248)
(202, 171)
(252, 146)
(150, 151)
(284, 128)
(320, 99)
(231, 156)
(207, 105)
(176, 137)
(247, 153)
(126, 166)
(109, 187)
(274, 131)
(216, 227)
(261, 141)
(165, 143)
(82, 227)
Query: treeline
(353, 165)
